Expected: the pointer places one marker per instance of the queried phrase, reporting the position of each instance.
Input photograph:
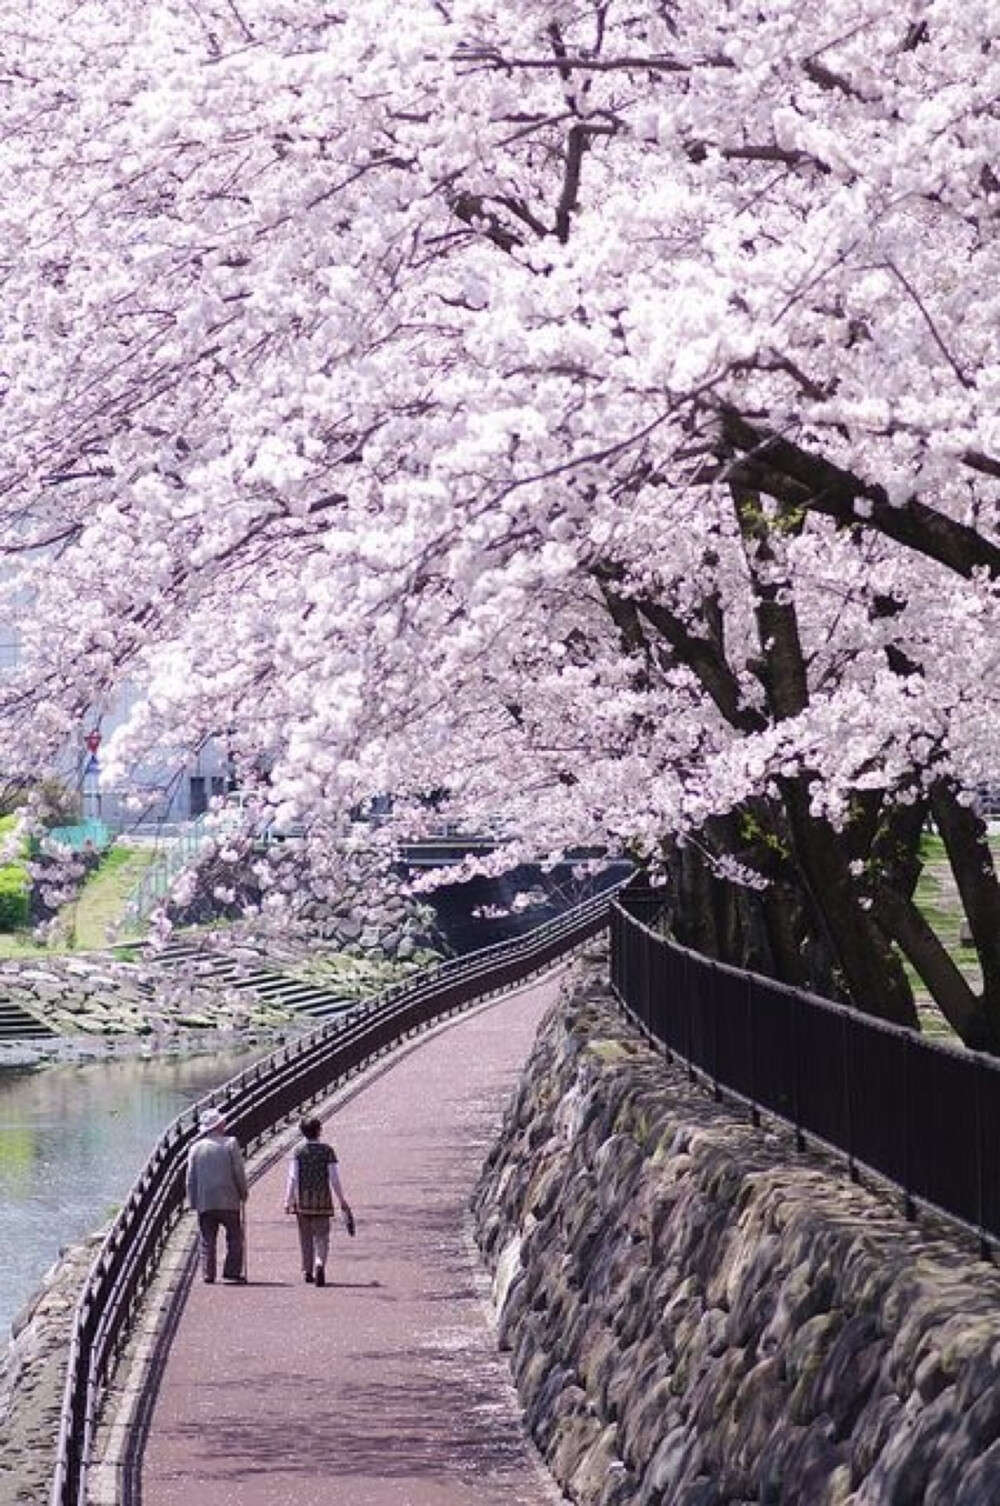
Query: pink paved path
(384, 1387)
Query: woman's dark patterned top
(313, 1160)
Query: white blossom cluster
(370, 380)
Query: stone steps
(44, 1002)
(267, 983)
(19, 1024)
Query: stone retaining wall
(697, 1314)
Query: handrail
(256, 1102)
(921, 1114)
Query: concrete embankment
(698, 1314)
(33, 1378)
(214, 988)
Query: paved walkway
(384, 1386)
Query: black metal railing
(256, 1103)
(923, 1115)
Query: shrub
(14, 888)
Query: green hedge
(15, 888)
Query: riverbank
(33, 1378)
(97, 1120)
(213, 985)
(69, 1049)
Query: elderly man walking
(217, 1190)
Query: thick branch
(873, 974)
(951, 992)
(967, 845)
(696, 652)
(785, 471)
(785, 677)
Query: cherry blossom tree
(585, 409)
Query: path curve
(384, 1388)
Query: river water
(73, 1139)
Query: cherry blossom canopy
(590, 409)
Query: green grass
(104, 896)
(938, 901)
(15, 883)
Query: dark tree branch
(791, 474)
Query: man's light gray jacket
(216, 1176)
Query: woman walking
(313, 1184)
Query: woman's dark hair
(310, 1127)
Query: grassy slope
(104, 897)
(101, 903)
(938, 899)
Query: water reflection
(73, 1138)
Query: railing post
(909, 1206)
(688, 1022)
(845, 1069)
(800, 1139)
(979, 1151)
(714, 1038)
(752, 1034)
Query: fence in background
(90, 833)
(176, 849)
